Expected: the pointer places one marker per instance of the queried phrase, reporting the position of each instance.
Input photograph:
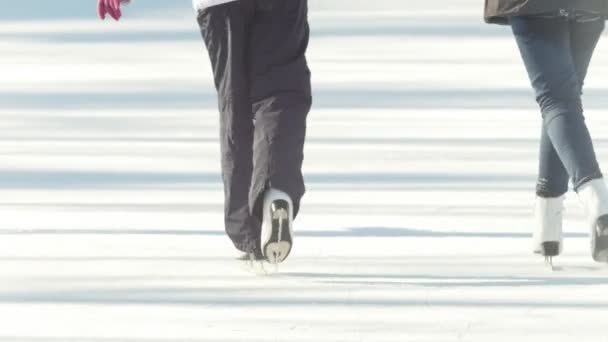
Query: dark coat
(498, 11)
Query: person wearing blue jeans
(557, 44)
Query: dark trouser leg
(225, 29)
(546, 46)
(281, 98)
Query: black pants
(557, 52)
(257, 50)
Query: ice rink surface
(420, 166)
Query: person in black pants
(257, 50)
(556, 40)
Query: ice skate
(594, 198)
(547, 237)
(277, 226)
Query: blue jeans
(556, 52)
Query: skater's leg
(281, 99)
(552, 184)
(594, 193)
(557, 53)
(545, 45)
(584, 37)
(226, 31)
(553, 176)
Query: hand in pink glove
(111, 7)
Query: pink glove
(111, 7)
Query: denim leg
(584, 37)
(545, 45)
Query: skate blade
(549, 263)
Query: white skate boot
(547, 237)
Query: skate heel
(278, 247)
(550, 248)
(599, 240)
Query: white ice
(420, 164)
